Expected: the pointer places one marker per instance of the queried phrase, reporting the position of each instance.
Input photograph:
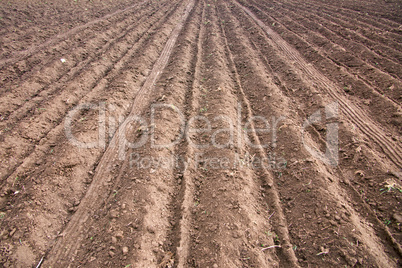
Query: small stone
(113, 214)
(71, 209)
(332, 222)
(397, 217)
(351, 261)
(111, 253)
(12, 232)
(337, 218)
(119, 234)
(125, 250)
(114, 240)
(215, 265)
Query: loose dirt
(229, 133)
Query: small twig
(273, 246)
(40, 262)
(271, 215)
(324, 228)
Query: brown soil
(193, 146)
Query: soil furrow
(72, 50)
(52, 117)
(211, 133)
(27, 24)
(115, 95)
(19, 106)
(363, 20)
(226, 199)
(28, 52)
(364, 34)
(375, 80)
(272, 194)
(180, 236)
(346, 33)
(353, 113)
(72, 235)
(289, 180)
(331, 31)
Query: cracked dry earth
(200, 133)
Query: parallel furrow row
(307, 20)
(73, 232)
(19, 106)
(40, 126)
(353, 113)
(318, 175)
(19, 55)
(348, 33)
(365, 33)
(374, 79)
(347, 14)
(47, 61)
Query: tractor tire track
(224, 201)
(271, 192)
(346, 34)
(353, 113)
(346, 15)
(338, 198)
(338, 55)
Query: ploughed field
(200, 133)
